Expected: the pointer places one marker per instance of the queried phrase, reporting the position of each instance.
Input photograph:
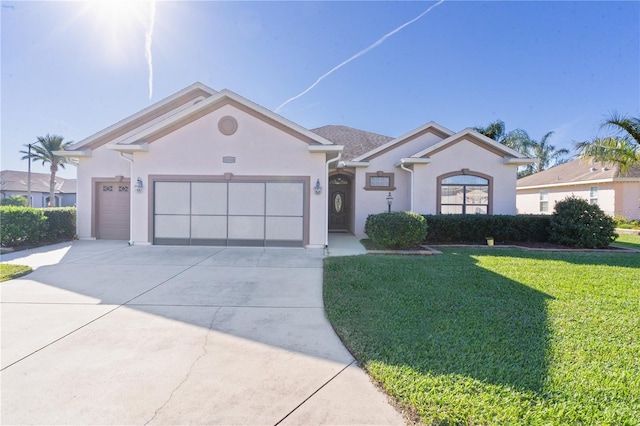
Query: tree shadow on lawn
(448, 316)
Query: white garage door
(113, 211)
(246, 213)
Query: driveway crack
(186, 377)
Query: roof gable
(473, 137)
(146, 117)
(430, 127)
(208, 105)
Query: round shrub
(396, 230)
(576, 223)
(14, 200)
(20, 225)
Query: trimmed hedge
(61, 223)
(26, 225)
(21, 225)
(396, 230)
(476, 228)
(577, 223)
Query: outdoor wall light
(317, 188)
(389, 201)
(139, 185)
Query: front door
(339, 192)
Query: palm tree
(548, 155)
(621, 149)
(516, 139)
(43, 150)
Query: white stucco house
(616, 193)
(206, 167)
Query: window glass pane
(384, 181)
(451, 209)
(452, 194)
(544, 206)
(465, 180)
(477, 195)
(544, 195)
(476, 210)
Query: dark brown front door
(339, 192)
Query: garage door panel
(246, 199)
(284, 228)
(172, 197)
(246, 227)
(209, 198)
(172, 226)
(113, 211)
(285, 199)
(209, 227)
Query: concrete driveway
(103, 333)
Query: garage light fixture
(317, 188)
(139, 185)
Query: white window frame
(544, 201)
(593, 195)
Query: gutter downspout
(326, 204)
(411, 186)
(131, 198)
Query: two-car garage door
(242, 213)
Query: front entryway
(339, 202)
(230, 213)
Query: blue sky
(74, 68)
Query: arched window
(465, 194)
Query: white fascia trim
(355, 164)
(520, 161)
(325, 148)
(401, 138)
(159, 104)
(470, 132)
(580, 183)
(411, 160)
(86, 153)
(143, 147)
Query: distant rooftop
(576, 171)
(12, 180)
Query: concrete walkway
(344, 244)
(103, 333)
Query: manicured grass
(496, 336)
(9, 272)
(628, 241)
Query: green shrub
(61, 223)
(576, 223)
(624, 223)
(476, 228)
(14, 200)
(396, 230)
(20, 225)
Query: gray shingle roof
(356, 142)
(12, 180)
(575, 171)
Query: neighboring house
(203, 167)
(616, 194)
(17, 183)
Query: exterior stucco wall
(198, 148)
(629, 195)
(615, 199)
(465, 155)
(368, 202)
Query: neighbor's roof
(577, 171)
(12, 180)
(356, 142)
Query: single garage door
(113, 210)
(222, 213)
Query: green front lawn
(9, 272)
(496, 336)
(628, 241)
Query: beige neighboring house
(14, 182)
(616, 194)
(207, 167)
